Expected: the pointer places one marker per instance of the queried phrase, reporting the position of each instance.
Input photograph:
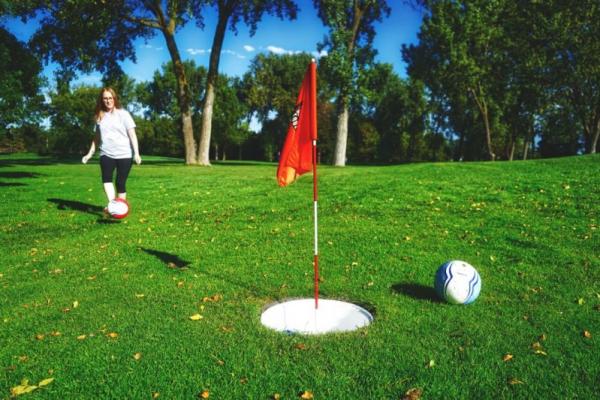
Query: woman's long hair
(100, 109)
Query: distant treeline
(487, 80)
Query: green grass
(530, 228)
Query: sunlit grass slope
(103, 307)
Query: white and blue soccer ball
(457, 282)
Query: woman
(115, 135)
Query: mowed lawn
(93, 308)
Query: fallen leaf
(413, 394)
(45, 382)
(22, 389)
(81, 337)
(40, 336)
(112, 335)
(581, 301)
(587, 334)
(55, 333)
(306, 395)
(137, 356)
(300, 346)
(75, 304)
(430, 364)
(196, 317)
(244, 380)
(542, 337)
(276, 396)
(155, 395)
(507, 357)
(204, 394)
(212, 298)
(515, 381)
(139, 295)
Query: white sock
(109, 189)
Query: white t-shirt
(114, 140)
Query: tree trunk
(511, 151)
(339, 156)
(211, 81)
(528, 140)
(183, 99)
(595, 139)
(486, 121)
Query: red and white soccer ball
(118, 208)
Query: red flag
(297, 154)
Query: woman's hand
(138, 159)
(86, 158)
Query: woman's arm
(134, 144)
(93, 146)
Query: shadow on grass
(416, 291)
(240, 163)
(96, 211)
(19, 174)
(3, 184)
(172, 161)
(29, 161)
(63, 204)
(171, 260)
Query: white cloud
(281, 50)
(319, 54)
(150, 47)
(248, 48)
(235, 54)
(196, 52)
(276, 50)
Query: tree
(400, 112)
(575, 63)
(72, 119)
(457, 57)
(97, 35)
(349, 44)
(270, 90)
(230, 12)
(161, 107)
(21, 102)
(230, 117)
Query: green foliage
(350, 40)
(21, 101)
(495, 69)
(229, 118)
(270, 91)
(104, 307)
(72, 119)
(160, 94)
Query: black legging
(123, 166)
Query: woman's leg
(123, 168)
(107, 166)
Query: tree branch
(151, 23)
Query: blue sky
(273, 35)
